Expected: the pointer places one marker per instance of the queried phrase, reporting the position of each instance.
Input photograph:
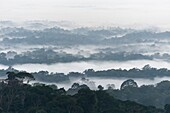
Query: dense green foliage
(44, 99)
(158, 95)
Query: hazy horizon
(141, 13)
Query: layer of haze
(82, 66)
(90, 12)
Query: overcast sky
(118, 12)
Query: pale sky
(118, 12)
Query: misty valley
(55, 67)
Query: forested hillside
(16, 97)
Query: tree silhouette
(15, 78)
(128, 83)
